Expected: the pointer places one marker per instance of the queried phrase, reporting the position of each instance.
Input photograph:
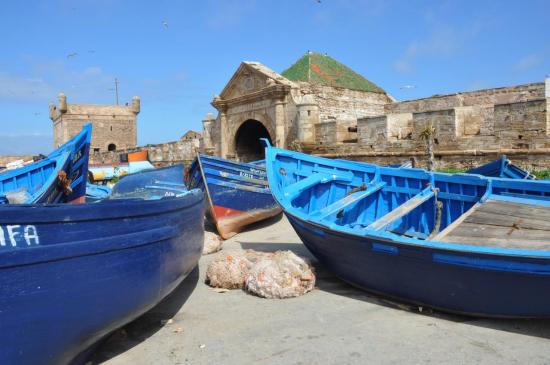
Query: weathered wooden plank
(455, 224)
(504, 224)
(497, 219)
(488, 231)
(500, 242)
(516, 209)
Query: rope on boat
(361, 187)
(64, 182)
(438, 207)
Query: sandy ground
(334, 324)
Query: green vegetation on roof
(321, 69)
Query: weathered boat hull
(237, 194)
(78, 272)
(429, 239)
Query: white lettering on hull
(15, 235)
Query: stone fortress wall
(114, 126)
(183, 151)
(471, 128)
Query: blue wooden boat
(237, 193)
(97, 192)
(72, 273)
(502, 167)
(458, 242)
(59, 178)
(168, 175)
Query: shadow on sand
(146, 325)
(328, 282)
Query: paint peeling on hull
(231, 225)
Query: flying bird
(91, 51)
(165, 24)
(37, 113)
(71, 55)
(408, 87)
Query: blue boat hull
(78, 272)
(448, 280)
(458, 242)
(129, 183)
(237, 193)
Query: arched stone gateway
(247, 141)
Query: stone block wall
(471, 128)
(522, 125)
(164, 154)
(345, 104)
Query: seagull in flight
(165, 24)
(71, 55)
(408, 87)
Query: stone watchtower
(114, 126)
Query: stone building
(114, 126)
(288, 108)
(322, 107)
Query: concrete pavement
(334, 324)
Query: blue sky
(177, 55)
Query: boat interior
(455, 208)
(30, 178)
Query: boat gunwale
(40, 211)
(235, 164)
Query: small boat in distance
(237, 193)
(70, 274)
(58, 178)
(97, 192)
(457, 242)
(502, 167)
(131, 183)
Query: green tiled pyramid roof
(321, 69)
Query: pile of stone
(280, 274)
(212, 243)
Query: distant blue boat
(130, 183)
(59, 178)
(237, 193)
(461, 243)
(97, 192)
(502, 167)
(71, 274)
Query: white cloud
(528, 62)
(442, 42)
